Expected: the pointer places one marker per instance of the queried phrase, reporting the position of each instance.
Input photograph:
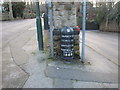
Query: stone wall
(64, 14)
(4, 16)
(111, 27)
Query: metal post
(51, 28)
(39, 27)
(83, 31)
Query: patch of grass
(34, 53)
(55, 58)
(57, 9)
(45, 51)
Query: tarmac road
(12, 29)
(17, 33)
(105, 43)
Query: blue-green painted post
(83, 31)
(39, 26)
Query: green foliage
(115, 13)
(29, 15)
(17, 7)
(79, 21)
(107, 11)
(101, 13)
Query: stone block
(63, 15)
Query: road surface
(12, 29)
(105, 43)
(18, 32)
(15, 34)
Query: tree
(108, 12)
(101, 12)
(18, 8)
(114, 14)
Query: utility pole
(10, 12)
(39, 26)
(51, 27)
(83, 31)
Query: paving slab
(14, 38)
(18, 53)
(37, 79)
(100, 70)
(19, 56)
(60, 83)
(74, 74)
(82, 84)
(12, 75)
(36, 66)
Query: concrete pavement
(1, 55)
(36, 66)
(13, 39)
(12, 75)
(105, 43)
(45, 73)
(25, 67)
(17, 44)
(101, 73)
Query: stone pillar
(64, 14)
